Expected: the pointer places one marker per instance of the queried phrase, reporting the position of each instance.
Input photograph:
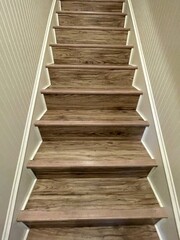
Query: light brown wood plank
(90, 35)
(76, 101)
(101, 19)
(91, 123)
(95, 91)
(91, 13)
(108, 46)
(96, 117)
(57, 98)
(92, 193)
(105, 6)
(93, 150)
(102, 164)
(47, 168)
(91, 54)
(146, 232)
(77, 217)
(95, 1)
(92, 156)
(84, 77)
(56, 133)
(94, 67)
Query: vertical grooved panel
(22, 29)
(158, 24)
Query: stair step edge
(59, 123)
(91, 13)
(92, 45)
(53, 164)
(120, 1)
(87, 66)
(83, 215)
(93, 28)
(50, 91)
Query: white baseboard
(170, 181)
(28, 195)
(26, 234)
(155, 192)
(16, 182)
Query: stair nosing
(49, 91)
(88, 66)
(121, 1)
(63, 164)
(62, 123)
(92, 28)
(91, 13)
(82, 215)
(92, 45)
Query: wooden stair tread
(147, 232)
(98, 54)
(91, 18)
(92, 5)
(92, 28)
(122, 91)
(92, 192)
(80, 164)
(98, 76)
(95, 150)
(67, 66)
(91, 13)
(90, 155)
(91, 45)
(121, 1)
(76, 217)
(91, 118)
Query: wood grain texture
(146, 232)
(91, 54)
(91, 194)
(96, 19)
(54, 168)
(86, 77)
(56, 133)
(96, 117)
(95, 91)
(92, 150)
(88, 35)
(92, 167)
(93, 156)
(80, 218)
(105, 6)
(57, 124)
(57, 99)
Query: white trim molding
(168, 172)
(19, 168)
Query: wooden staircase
(91, 167)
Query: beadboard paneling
(158, 24)
(22, 28)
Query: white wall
(22, 32)
(157, 25)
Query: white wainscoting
(25, 34)
(152, 138)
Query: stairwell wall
(24, 39)
(155, 34)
